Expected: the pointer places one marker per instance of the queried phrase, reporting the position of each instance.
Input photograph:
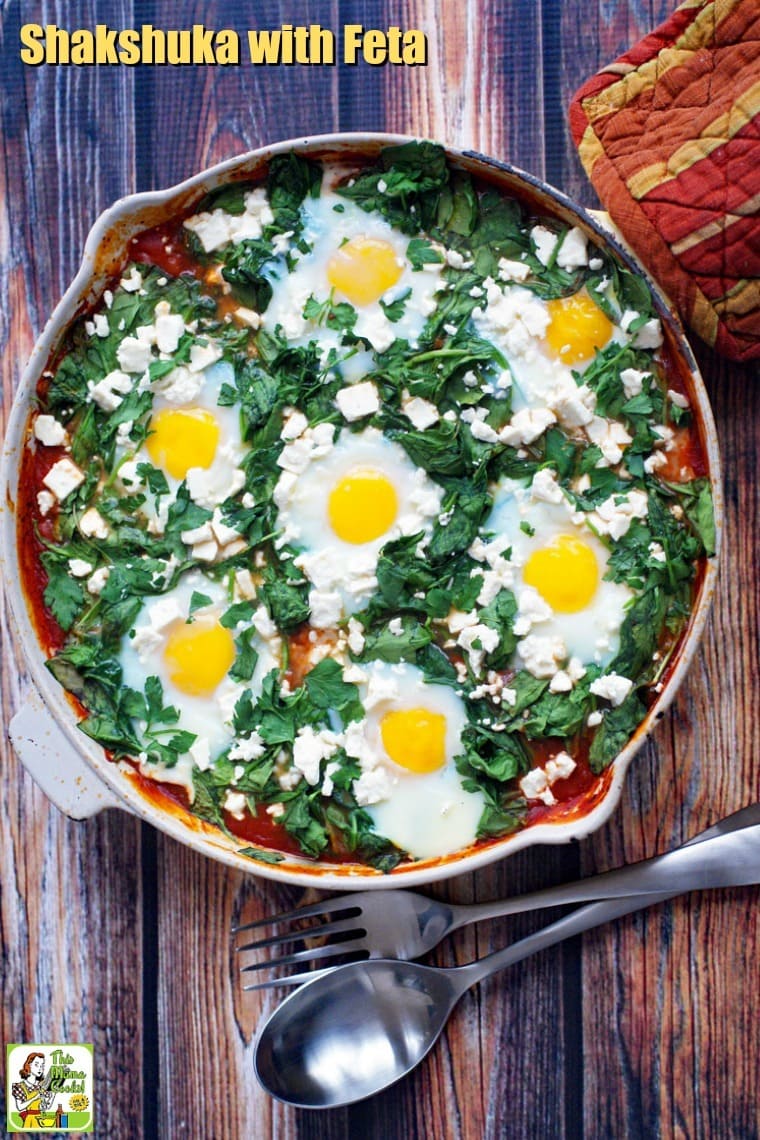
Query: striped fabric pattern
(669, 135)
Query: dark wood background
(112, 933)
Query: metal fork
(404, 924)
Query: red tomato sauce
(32, 528)
(164, 247)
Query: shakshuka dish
(364, 511)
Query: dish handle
(55, 765)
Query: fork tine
(342, 926)
(325, 906)
(315, 955)
(288, 980)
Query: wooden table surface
(114, 934)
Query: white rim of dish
(85, 288)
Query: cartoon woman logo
(32, 1093)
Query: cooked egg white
(407, 747)
(544, 342)
(192, 659)
(346, 506)
(557, 557)
(191, 437)
(356, 257)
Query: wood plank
(671, 1046)
(667, 993)
(70, 916)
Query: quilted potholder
(670, 136)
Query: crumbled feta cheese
(49, 432)
(560, 682)
(202, 533)
(263, 624)
(509, 270)
(223, 533)
(217, 228)
(633, 381)
(97, 580)
(202, 356)
(169, 329)
(678, 398)
(132, 281)
(544, 242)
(559, 767)
(372, 787)
(248, 747)
(573, 253)
(358, 401)
(656, 552)
(245, 587)
(611, 687)
(655, 460)
(234, 803)
(482, 431)
(532, 609)
(210, 486)
(542, 655)
(109, 392)
(134, 354)
(526, 426)
(206, 551)
(355, 636)
(310, 747)
(248, 316)
(515, 315)
(456, 259)
(649, 335)
(535, 786)
(93, 525)
(421, 412)
(45, 502)
(180, 386)
(79, 568)
(294, 425)
(63, 478)
(478, 640)
(609, 436)
(326, 608)
(500, 577)
(545, 487)
(396, 626)
(381, 688)
(615, 515)
(594, 718)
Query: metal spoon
(358, 1028)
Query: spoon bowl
(354, 1031)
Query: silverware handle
(740, 867)
(585, 918)
(719, 858)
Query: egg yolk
(577, 327)
(182, 438)
(415, 739)
(363, 269)
(565, 574)
(362, 506)
(199, 655)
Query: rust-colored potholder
(670, 136)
